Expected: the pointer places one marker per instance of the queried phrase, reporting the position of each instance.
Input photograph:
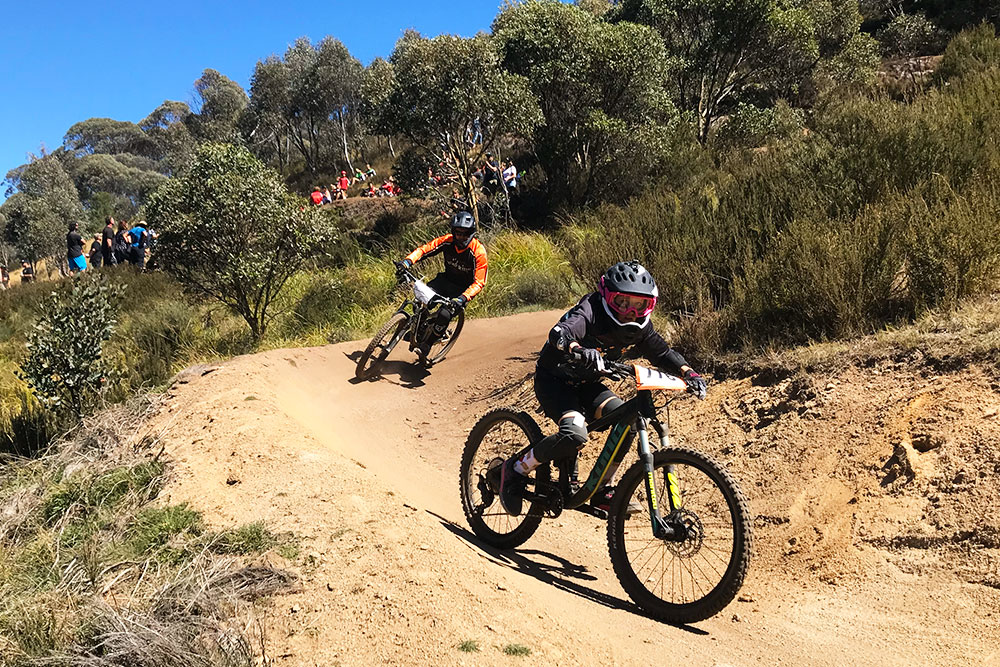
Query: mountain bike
(679, 528)
(413, 322)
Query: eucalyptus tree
(601, 91)
(727, 51)
(45, 201)
(445, 89)
(219, 103)
(229, 229)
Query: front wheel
(440, 348)
(381, 345)
(497, 436)
(687, 580)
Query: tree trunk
(343, 136)
(392, 150)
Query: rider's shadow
(408, 375)
(557, 572)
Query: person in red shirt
(465, 267)
(343, 183)
(316, 196)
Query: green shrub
(971, 51)
(65, 367)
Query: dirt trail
(876, 542)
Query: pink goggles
(630, 305)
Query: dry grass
(94, 572)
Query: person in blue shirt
(140, 238)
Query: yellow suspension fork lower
(673, 493)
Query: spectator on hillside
(327, 197)
(122, 243)
(509, 175)
(74, 249)
(27, 273)
(95, 257)
(457, 203)
(108, 242)
(369, 191)
(316, 196)
(4, 277)
(369, 172)
(140, 239)
(491, 173)
(343, 183)
(359, 176)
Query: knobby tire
(732, 579)
(392, 331)
(531, 517)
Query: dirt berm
(874, 493)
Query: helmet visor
(631, 305)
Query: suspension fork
(661, 529)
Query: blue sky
(65, 62)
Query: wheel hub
(687, 525)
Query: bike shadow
(558, 572)
(407, 375)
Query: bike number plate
(650, 378)
(423, 293)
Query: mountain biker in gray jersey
(608, 323)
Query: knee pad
(570, 439)
(608, 407)
(573, 427)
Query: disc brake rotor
(694, 533)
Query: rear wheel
(691, 579)
(497, 436)
(381, 345)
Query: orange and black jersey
(462, 266)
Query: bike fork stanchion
(660, 529)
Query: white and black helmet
(628, 293)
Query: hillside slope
(877, 542)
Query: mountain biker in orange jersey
(465, 267)
(607, 323)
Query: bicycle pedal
(592, 511)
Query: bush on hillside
(971, 51)
(65, 367)
(230, 230)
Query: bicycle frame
(631, 418)
(416, 311)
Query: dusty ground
(874, 492)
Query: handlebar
(616, 370)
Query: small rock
(991, 412)
(792, 541)
(296, 608)
(745, 598)
(424, 547)
(501, 587)
(329, 586)
(736, 618)
(831, 386)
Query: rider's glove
(696, 383)
(590, 358)
(402, 266)
(459, 302)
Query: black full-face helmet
(463, 228)
(628, 293)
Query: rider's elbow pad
(559, 338)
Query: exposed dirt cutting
(877, 532)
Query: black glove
(590, 358)
(458, 302)
(696, 383)
(402, 266)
